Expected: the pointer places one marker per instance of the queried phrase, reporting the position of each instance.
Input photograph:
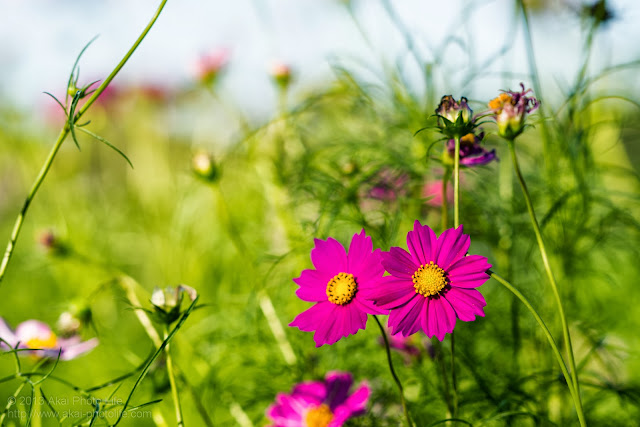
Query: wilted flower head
(204, 166)
(167, 302)
(208, 66)
(281, 74)
(472, 153)
(33, 334)
(454, 118)
(320, 403)
(510, 110)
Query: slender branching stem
(552, 280)
(61, 137)
(393, 372)
(552, 343)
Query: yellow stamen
(320, 416)
(469, 138)
(500, 101)
(429, 279)
(341, 288)
(48, 341)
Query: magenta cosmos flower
(336, 286)
(433, 284)
(320, 403)
(38, 335)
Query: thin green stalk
(552, 343)
(456, 184)
(393, 372)
(547, 266)
(172, 381)
(445, 201)
(456, 224)
(443, 373)
(61, 137)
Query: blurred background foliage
(332, 160)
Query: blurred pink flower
(433, 192)
(208, 66)
(281, 74)
(388, 185)
(320, 403)
(33, 334)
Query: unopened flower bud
(510, 110)
(454, 118)
(204, 166)
(167, 301)
(281, 74)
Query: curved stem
(552, 343)
(547, 267)
(454, 380)
(61, 137)
(456, 184)
(393, 372)
(172, 381)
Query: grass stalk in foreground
(552, 343)
(172, 381)
(552, 280)
(15, 233)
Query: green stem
(552, 280)
(552, 343)
(172, 381)
(61, 137)
(454, 381)
(456, 184)
(393, 372)
(445, 201)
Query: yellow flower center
(341, 288)
(429, 279)
(319, 416)
(43, 341)
(469, 139)
(500, 101)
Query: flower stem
(454, 381)
(393, 372)
(456, 184)
(61, 137)
(552, 280)
(445, 201)
(172, 381)
(552, 343)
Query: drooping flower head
(472, 153)
(33, 334)
(336, 286)
(320, 403)
(433, 284)
(454, 118)
(510, 110)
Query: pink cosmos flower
(433, 284)
(336, 286)
(208, 66)
(33, 334)
(433, 191)
(320, 403)
(388, 185)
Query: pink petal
(338, 385)
(310, 319)
(391, 292)
(357, 402)
(313, 285)
(469, 264)
(442, 318)
(360, 248)
(468, 280)
(467, 303)
(399, 263)
(7, 334)
(70, 352)
(422, 244)
(329, 256)
(452, 245)
(406, 319)
(312, 391)
(367, 306)
(370, 269)
(340, 322)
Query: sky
(40, 39)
